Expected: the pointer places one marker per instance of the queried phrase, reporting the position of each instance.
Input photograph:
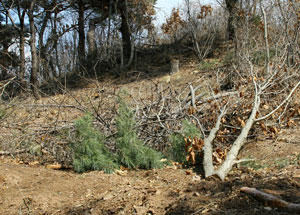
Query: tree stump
(174, 66)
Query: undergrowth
(89, 150)
(131, 151)
(177, 150)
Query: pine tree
(89, 150)
(131, 152)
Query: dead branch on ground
(272, 201)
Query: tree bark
(22, 48)
(91, 39)
(81, 43)
(34, 57)
(125, 30)
(43, 50)
(231, 7)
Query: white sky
(164, 8)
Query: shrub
(177, 150)
(131, 152)
(89, 150)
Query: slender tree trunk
(81, 43)
(231, 7)
(91, 39)
(43, 50)
(34, 57)
(22, 50)
(125, 29)
(55, 44)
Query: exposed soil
(37, 190)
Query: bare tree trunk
(34, 57)
(22, 49)
(125, 30)
(43, 49)
(81, 43)
(91, 38)
(231, 7)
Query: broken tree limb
(240, 140)
(7, 82)
(193, 100)
(271, 200)
(208, 159)
(217, 97)
(210, 98)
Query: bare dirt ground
(29, 189)
(32, 188)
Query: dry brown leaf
(188, 172)
(216, 90)
(223, 120)
(263, 126)
(191, 157)
(188, 142)
(242, 93)
(241, 121)
(274, 130)
(191, 110)
(291, 123)
(266, 107)
(124, 168)
(216, 158)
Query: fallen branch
(12, 153)
(271, 200)
(193, 96)
(189, 103)
(208, 149)
(7, 82)
(217, 97)
(52, 105)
